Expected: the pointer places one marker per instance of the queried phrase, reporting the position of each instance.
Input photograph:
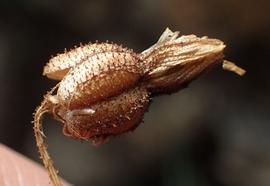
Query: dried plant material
(227, 65)
(166, 36)
(105, 89)
(58, 66)
(174, 63)
(107, 118)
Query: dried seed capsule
(110, 117)
(104, 88)
(100, 76)
(58, 66)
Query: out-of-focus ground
(214, 133)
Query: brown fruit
(105, 89)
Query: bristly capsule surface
(105, 89)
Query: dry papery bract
(104, 89)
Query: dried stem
(230, 66)
(40, 139)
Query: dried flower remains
(104, 89)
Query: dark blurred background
(214, 133)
